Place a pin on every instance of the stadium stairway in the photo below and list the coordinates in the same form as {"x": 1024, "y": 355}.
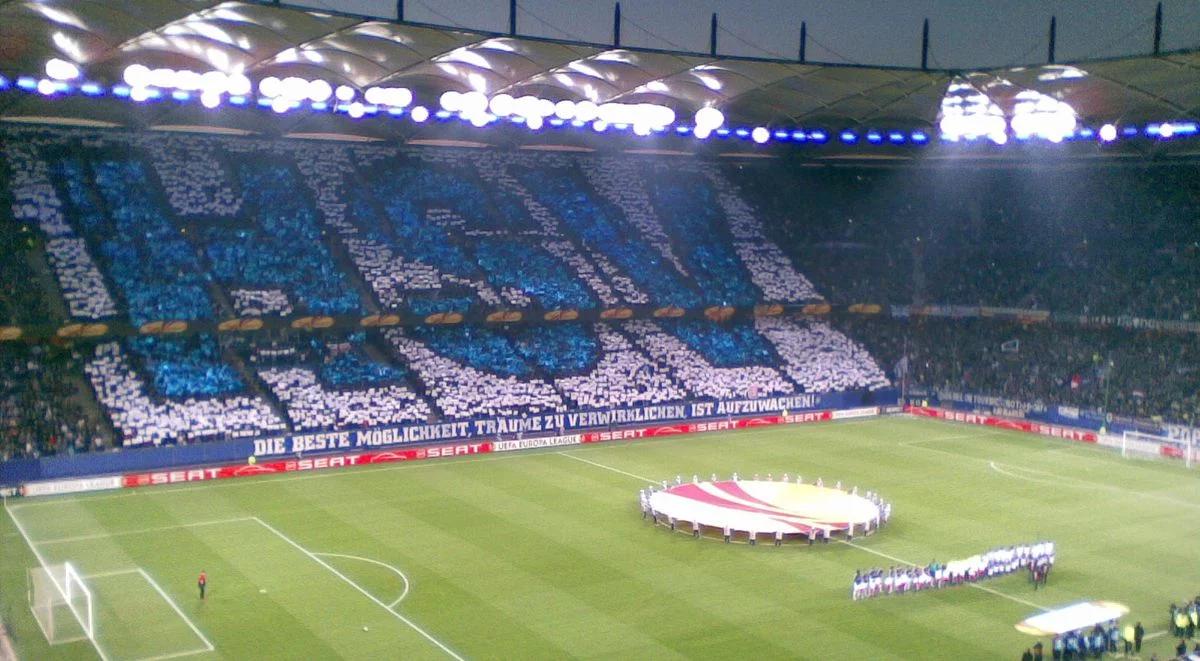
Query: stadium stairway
{"x": 255, "y": 386}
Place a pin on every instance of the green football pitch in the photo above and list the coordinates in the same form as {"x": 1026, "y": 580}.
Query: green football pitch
{"x": 545, "y": 554}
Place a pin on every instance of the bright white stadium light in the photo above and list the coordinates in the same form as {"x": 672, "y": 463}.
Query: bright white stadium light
{"x": 210, "y": 100}
{"x": 270, "y": 87}
{"x": 564, "y": 109}
{"x": 545, "y": 108}
{"x": 318, "y": 91}
{"x": 709, "y": 117}
{"x": 1166, "y": 130}
{"x": 419, "y": 114}
{"x": 281, "y": 104}
{"x": 482, "y": 119}
{"x": 1108, "y": 132}
{"x": 760, "y": 135}
{"x": 294, "y": 88}
{"x": 139, "y": 94}
{"x": 188, "y": 80}
{"x": 356, "y": 110}
{"x": 344, "y": 93}
{"x": 59, "y": 69}
{"x": 599, "y": 126}
{"x": 46, "y": 87}
{"x": 400, "y": 97}
{"x": 472, "y": 103}
{"x": 214, "y": 82}
{"x": 375, "y": 95}
{"x": 502, "y": 105}
{"x": 585, "y": 111}
{"x": 239, "y": 85}
{"x": 534, "y": 123}
{"x": 163, "y": 78}
{"x": 451, "y": 101}
{"x": 136, "y": 75}
{"x": 526, "y": 106}
{"x": 701, "y": 132}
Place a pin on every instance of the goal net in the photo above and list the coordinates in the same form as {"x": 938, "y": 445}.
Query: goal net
{"x": 1138, "y": 444}
{"x": 61, "y": 603}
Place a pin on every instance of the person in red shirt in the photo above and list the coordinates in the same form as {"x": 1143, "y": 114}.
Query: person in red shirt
{"x": 202, "y": 583}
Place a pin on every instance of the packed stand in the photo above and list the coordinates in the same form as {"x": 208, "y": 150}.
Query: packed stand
{"x": 142, "y": 415}
{"x": 1133, "y": 374}
{"x": 40, "y": 412}
{"x": 155, "y": 269}
{"x": 36, "y": 203}
{"x": 1108, "y": 239}
{"x": 336, "y": 384}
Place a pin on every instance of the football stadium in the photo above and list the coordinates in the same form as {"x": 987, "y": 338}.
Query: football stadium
{"x": 520, "y": 329}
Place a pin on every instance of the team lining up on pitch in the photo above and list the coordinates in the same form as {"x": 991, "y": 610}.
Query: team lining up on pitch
{"x": 1037, "y": 558}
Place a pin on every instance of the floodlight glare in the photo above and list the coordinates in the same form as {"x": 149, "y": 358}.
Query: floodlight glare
{"x": 1108, "y": 132}
{"x": 59, "y": 69}
{"x": 760, "y": 135}
{"x": 419, "y": 114}
{"x": 137, "y": 75}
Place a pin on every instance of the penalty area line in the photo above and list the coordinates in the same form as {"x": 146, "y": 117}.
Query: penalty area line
{"x": 412, "y": 625}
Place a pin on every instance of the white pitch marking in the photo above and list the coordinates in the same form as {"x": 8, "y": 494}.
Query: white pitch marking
{"x": 375, "y": 562}
{"x": 366, "y": 469}
{"x": 175, "y": 655}
{"x": 607, "y": 468}
{"x": 1065, "y": 481}
{"x": 42, "y": 561}
{"x": 191, "y": 625}
{"x": 106, "y": 574}
{"x": 412, "y": 625}
{"x": 973, "y": 585}
{"x": 139, "y": 531}
{"x": 862, "y": 548}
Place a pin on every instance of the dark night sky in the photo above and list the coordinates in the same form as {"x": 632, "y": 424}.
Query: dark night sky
{"x": 965, "y": 33}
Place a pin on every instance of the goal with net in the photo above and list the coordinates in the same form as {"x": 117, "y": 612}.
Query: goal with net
{"x": 1138, "y": 444}
{"x": 61, "y": 603}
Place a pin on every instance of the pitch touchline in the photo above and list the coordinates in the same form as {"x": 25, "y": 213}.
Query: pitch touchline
{"x": 368, "y": 469}
{"x": 412, "y": 625}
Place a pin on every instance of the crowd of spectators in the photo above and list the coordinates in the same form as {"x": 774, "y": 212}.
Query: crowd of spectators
{"x": 38, "y": 416}
{"x": 1105, "y": 238}
{"x": 1135, "y": 374}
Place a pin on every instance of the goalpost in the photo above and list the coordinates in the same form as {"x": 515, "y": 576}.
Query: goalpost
{"x": 61, "y": 603}
{"x": 1147, "y": 446}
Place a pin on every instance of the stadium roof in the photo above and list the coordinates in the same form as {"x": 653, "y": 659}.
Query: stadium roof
{"x": 104, "y": 37}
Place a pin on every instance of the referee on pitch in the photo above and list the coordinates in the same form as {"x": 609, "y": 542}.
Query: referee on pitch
{"x": 202, "y": 583}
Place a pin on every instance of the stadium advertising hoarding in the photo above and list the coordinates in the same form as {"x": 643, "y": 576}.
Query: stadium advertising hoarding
{"x": 168, "y": 458}
{"x": 301, "y": 464}
{"x": 61, "y": 487}
{"x": 204, "y": 474}
{"x": 988, "y": 420}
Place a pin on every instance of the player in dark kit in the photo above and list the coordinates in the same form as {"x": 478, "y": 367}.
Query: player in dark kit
{"x": 202, "y": 583}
